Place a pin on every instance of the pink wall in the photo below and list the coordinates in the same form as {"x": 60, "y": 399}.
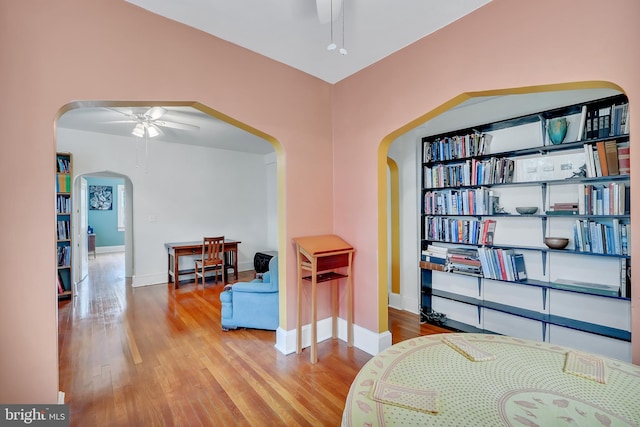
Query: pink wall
{"x": 505, "y": 44}
{"x": 57, "y": 52}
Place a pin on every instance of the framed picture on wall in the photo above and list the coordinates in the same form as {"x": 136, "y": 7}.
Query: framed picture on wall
{"x": 100, "y": 197}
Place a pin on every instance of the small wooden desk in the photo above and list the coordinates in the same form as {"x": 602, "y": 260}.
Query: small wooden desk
{"x": 177, "y": 249}
{"x": 321, "y": 256}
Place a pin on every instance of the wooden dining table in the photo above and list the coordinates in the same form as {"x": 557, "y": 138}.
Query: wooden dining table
{"x": 177, "y": 249}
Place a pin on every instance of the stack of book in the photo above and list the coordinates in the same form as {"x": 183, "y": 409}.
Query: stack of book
{"x": 563, "y": 208}
{"x": 463, "y": 261}
{"x": 502, "y": 264}
{"x": 434, "y": 258}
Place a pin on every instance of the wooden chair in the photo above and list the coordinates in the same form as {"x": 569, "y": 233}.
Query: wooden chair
{"x": 212, "y": 259}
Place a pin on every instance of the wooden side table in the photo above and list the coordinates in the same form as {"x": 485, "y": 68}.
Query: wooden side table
{"x": 321, "y": 256}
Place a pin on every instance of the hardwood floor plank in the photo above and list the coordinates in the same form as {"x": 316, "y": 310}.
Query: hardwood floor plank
{"x": 156, "y": 356}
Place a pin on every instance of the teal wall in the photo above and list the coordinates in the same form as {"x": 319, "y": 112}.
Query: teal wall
{"x": 105, "y": 222}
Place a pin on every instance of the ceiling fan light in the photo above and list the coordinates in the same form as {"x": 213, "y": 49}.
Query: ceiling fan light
{"x": 332, "y": 46}
{"x": 343, "y": 51}
{"x": 152, "y": 131}
{"x": 138, "y": 130}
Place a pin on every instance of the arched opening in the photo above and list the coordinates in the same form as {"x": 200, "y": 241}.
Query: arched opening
{"x": 165, "y": 174}
{"x": 464, "y": 110}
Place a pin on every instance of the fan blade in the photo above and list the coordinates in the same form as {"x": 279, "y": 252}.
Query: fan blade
{"x": 121, "y": 121}
{"x": 176, "y": 125}
{"x": 133, "y": 116}
{"x": 154, "y": 113}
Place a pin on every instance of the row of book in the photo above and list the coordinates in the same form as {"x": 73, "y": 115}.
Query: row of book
{"x": 607, "y": 158}
{"x": 63, "y": 204}
{"x": 606, "y": 199}
{"x": 502, "y": 264}
{"x": 469, "y": 231}
{"x": 64, "y": 256}
{"x": 613, "y": 238}
{"x": 471, "y": 172}
{"x": 456, "y": 147}
{"x": 63, "y": 183}
{"x": 63, "y": 165}
{"x": 605, "y": 121}
{"x": 477, "y": 201}
{"x": 64, "y": 230}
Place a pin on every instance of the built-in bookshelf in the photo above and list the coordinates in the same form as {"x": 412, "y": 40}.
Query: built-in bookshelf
{"x": 64, "y": 234}
{"x": 485, "y": 266}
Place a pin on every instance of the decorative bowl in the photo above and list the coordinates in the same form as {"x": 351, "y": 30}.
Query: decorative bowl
{"x": 556, "y": 242}
{"x": 526, "y": 210}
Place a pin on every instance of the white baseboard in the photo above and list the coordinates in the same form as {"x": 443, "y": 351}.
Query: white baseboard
{"x": 395, "y": 301}
{"x": 109, "y": 249}
{"x": 138, "y": 280}
{"x": 364, "y": 339}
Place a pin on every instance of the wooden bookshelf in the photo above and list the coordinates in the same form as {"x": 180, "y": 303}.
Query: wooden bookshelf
{"x": 64, "y": 230}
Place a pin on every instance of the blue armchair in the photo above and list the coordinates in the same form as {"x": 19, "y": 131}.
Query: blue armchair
{"x": 252, "y": 304}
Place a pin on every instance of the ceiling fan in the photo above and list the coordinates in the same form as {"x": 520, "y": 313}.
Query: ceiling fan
{"x": 148, "y": 122}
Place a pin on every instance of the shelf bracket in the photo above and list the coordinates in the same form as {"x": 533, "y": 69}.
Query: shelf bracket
{"x": 544, "y": 298}
{"x": 543, "y": 254}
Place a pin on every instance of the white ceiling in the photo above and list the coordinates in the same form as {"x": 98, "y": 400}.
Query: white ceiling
{"x": 290, "y": 32}
{"x": 211, "y": 133}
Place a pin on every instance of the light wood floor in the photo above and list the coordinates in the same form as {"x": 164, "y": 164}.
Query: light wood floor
{"x": 154, "y": 356}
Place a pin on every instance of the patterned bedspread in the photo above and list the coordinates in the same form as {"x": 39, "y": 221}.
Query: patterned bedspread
{"x": 430, "y": 381}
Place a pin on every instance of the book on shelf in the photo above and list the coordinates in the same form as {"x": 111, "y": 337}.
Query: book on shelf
{"x": 564, "y": 208}
{"x": 620, "y": 119}
{"x": 594, "y": 288}
{"x": 625, "y": 278}
{"x": 435, "y": 255}
{"x": 624, "y": 160}
{"x": 583, "y": 120}
{"x": 602, "y": 158}
{"x": 59, "y": 283}
{"x": 488, "y": 231}
{"x": 426, "y": 265}
{"x": 519, "y": 267}
{"x": 611, "y": 155}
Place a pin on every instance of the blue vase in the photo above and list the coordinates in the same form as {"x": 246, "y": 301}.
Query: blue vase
{"x": 557, "y": 130}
